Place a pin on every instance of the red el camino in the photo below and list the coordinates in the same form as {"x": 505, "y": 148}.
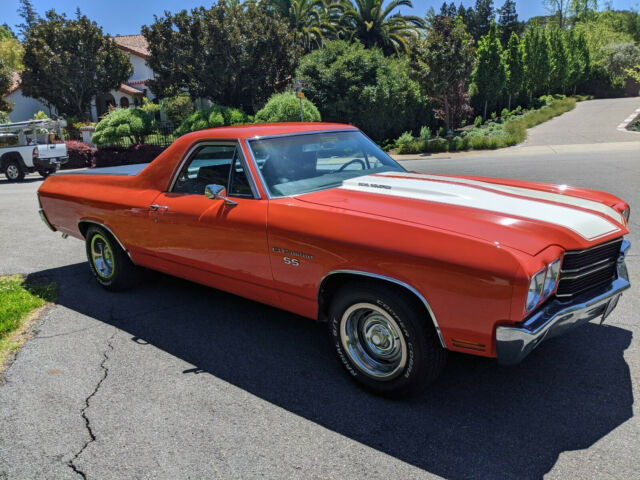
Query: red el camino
{"x": 317, "y": 220}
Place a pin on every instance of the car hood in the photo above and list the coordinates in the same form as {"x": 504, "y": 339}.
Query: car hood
{"x": 522, "y": 215}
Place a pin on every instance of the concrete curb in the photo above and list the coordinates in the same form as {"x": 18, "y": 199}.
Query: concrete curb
{"x": 524, "y": 151}
{"x": 623, "y": 126}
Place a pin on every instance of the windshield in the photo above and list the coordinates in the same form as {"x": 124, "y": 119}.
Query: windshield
{"x": 295, "y": 164}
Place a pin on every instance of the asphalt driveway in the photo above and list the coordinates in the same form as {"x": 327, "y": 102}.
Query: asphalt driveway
{"x": 595, "y": 121}
{"x": 174, "y": 380}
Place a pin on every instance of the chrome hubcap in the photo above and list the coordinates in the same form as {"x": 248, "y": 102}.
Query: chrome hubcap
{"x": 13, "y": 172}
{"x": 102, "y": 256}
{"x": 373, "y": 340}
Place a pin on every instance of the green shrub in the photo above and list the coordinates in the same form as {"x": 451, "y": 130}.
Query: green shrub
{"x": 150, "y": 107}
{"x": 442, "y": 132}
{"x": 494, "y": 115}
{"x": 123, "y": 123}
{"x": 421, "y": 146}
{"x": 494, "y": 135}
{"x": 212, "y": 117}
{"x": 4, "y": 117}
{"x": 460, "y": 143}
{"x": 425, "y": 133}
{"x": 357, "y": 85}
{"x": 505, "y": 114}
{"x": 285, "y": 107}
{"x": 178, "y": 107}
{"x": 478, "y": 121}
{"x": 406, "y": 138}
{"x": 40, "y": 115}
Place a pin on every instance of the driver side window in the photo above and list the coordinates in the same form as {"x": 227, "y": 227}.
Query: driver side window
{"x": 214, "y": 165}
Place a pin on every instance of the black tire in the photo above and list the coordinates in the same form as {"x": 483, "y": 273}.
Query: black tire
{"x": 13, "y": 171}
{"x": 45, "y": 173}
{"x": 116, "y": 271}
{"x": 368, "y": 307}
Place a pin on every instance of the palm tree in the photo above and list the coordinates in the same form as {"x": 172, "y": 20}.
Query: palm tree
{"x": 313, "y": 20}
{"x": 374, "y": 24}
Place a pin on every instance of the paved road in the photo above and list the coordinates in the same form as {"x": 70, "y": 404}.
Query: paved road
{"x": 595, "y": 121}
{"x": 174, "y": 380}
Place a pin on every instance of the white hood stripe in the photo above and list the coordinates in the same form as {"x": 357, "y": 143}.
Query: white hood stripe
{"x": 523, "y": 192}
{"x": 588, "y": 225}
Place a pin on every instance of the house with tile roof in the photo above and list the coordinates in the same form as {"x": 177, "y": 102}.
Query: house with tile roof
{"x": 129, "y": 94}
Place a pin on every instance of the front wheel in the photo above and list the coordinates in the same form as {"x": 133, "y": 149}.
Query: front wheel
{"x": 13, "y": 171}
{"x": 109, "y": 263}
{"x": 384, "y": 339}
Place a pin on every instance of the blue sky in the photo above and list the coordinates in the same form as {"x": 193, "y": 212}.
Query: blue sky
{"x": 127, "y": 16}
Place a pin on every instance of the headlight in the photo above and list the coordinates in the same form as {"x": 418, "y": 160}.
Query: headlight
{"x": 625, "y": 213}
{"x": 553, "y": 270}
{"x": 535, "y": 289}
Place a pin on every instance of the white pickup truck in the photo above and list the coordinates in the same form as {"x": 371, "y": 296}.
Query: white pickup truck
{"x": 32, "y": 146}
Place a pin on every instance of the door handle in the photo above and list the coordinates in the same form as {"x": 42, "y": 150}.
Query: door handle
{"x": 159, "y": 207}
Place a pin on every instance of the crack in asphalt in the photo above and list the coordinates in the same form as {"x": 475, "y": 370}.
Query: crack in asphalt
{"x": 87, "y": 423}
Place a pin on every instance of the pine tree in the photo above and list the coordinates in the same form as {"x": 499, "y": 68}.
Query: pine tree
{"x": 483, "y": 16}
{"x": 467, "y": 16}
{"x": 514, "y": 67}
{"x": 558, "y": 61}
{"x": 28, "y": 13}
{"x": 508, "y": 21}
{"x": 449, "y": 10}
{"x": 536, "y": 60}
{"x": 489, "y": 76}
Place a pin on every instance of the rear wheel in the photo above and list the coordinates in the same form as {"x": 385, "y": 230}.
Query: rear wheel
{"x": 109, "y": 263}
{"x": 384, "y": 340}
{"x": 45, "y": 173}
{"x": 13, "y": 171}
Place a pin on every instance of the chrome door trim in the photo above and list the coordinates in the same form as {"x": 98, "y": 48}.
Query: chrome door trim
{"x": 397, "y": 282}
{"x": 295, "y": 134}
{"x": 214, "y": 141}
{"x": 112, "y": 234}
{"x": 257, "y": 168}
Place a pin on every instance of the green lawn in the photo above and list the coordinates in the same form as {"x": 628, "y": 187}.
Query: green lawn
{"x": 17, "y": 300}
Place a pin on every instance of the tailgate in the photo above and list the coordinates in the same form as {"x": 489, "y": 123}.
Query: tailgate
{"x": 52, "y": 150}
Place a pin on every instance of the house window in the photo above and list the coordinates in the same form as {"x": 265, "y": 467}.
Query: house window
{"x": 124, "y": 102}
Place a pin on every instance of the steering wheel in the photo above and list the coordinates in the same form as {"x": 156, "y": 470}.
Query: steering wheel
{"x": 355, "y": 160}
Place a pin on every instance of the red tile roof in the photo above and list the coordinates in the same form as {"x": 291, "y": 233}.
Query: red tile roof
{"x": 134, "y": 44}
{"x": 129, "y": 90}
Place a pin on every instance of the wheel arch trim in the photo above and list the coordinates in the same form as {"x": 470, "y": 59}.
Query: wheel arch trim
{"x": 94, "y": 222}
{"x": 395, "y": 281}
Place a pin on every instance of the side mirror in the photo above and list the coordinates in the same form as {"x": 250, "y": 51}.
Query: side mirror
{"x": 218, "y": 192}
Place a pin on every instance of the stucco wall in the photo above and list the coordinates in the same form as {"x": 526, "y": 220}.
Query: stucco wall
{"x": 24, "y": 108}
{"x": 141, "y": 70}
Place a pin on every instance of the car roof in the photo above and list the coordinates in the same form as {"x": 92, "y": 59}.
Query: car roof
{"x": 268, "y": 129}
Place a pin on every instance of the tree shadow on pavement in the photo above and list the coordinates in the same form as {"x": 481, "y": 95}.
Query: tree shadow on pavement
{"x": 478, "y": 420}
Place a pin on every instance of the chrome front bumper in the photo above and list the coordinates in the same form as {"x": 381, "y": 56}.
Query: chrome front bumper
{"x": 556, "y": 317}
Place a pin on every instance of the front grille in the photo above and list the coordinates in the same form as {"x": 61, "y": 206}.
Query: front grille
{"x": 590, "y": 268}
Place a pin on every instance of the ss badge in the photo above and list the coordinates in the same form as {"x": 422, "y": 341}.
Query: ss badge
{"x": 294, "y": 262}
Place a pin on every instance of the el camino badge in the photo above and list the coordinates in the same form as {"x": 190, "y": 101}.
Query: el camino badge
{"x": 292, "y": 253}
{"x": 294, "y": 262}
{"x": 374, "y": 185}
